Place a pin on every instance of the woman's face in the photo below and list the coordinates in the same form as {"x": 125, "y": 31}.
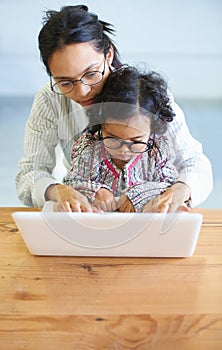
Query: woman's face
{"x": 137, "y": 128}
{"x": 75, "y": 60}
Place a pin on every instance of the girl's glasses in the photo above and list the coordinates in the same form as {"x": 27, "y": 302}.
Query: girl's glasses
{"x": 134, "y": 146}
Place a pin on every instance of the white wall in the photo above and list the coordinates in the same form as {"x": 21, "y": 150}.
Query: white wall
{"x": 181, "y": 39}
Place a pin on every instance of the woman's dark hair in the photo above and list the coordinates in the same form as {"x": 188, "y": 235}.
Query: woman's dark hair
{"x": 74, "y": 24}
{"x": 128, "y": 92}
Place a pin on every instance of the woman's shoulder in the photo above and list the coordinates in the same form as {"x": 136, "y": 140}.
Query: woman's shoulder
{"x": 48, "y": 103}
{"x": 48, "y": 96}
{"x": 45, "y": 91}
{"x": 179, "y": 114}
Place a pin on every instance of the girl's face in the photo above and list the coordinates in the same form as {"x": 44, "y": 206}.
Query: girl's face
{"x": 137, "y": 128}
{"x": 75, "y": 60}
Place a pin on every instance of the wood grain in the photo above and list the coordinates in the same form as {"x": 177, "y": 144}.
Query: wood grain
{"x": 213, "y": 216}
{"x": 111, "y": 303}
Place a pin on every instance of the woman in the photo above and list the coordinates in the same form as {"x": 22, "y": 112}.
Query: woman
{"x": 79, "y": 56}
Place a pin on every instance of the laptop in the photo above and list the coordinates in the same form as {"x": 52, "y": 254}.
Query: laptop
{"x": 109, "y": 234}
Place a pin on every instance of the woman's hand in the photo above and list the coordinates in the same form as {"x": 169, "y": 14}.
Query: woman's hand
{"x": 125, "y": 205}
{"x": 105, "y": 200}
{"x": 171, "y": 201}
{"x": 67, "y": 199}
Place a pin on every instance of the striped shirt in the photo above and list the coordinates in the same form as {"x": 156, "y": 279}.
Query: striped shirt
{"x": 57, "y": 120}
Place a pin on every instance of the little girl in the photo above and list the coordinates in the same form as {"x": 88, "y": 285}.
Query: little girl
{"x": 125, "y": 152}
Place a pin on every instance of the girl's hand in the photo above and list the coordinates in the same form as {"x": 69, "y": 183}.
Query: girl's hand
{"x": 104, "y": 200}
{"x": 125, "y": 205}
{"x": 67, "y": 199}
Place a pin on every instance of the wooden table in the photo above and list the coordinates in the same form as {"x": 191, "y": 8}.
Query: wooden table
{"x": 52, "y": 303}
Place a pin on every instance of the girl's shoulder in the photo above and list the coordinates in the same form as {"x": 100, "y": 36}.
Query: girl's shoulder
{"x": 162, "y": 147}
{"x": 85, "y": 143}
{"x": 86, "y": 139}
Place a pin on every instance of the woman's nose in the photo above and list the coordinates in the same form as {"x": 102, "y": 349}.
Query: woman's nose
{"x": 82, "y": 90}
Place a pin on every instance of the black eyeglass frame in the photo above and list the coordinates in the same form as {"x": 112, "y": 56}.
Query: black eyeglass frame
{"x": 76, "y": 80}
{"x": 149, "y": 144}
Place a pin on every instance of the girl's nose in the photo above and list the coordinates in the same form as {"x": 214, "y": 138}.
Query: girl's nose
{"x": 124, "y": 148}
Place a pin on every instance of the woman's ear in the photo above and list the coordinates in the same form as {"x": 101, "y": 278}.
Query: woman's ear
{"x": 109, "y": 56}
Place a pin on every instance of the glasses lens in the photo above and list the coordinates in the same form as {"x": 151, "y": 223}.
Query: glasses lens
{"x": 92, "y": 78}
{"x": 63, "y": 87}
{"x": 138, "y": 147}
{"x": 111, "y": 143}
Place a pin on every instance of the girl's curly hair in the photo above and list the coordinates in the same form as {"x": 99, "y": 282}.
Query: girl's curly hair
{"x": 128, "y": 92}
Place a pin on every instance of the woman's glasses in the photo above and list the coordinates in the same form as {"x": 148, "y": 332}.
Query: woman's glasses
{"x": 64, "y": 86}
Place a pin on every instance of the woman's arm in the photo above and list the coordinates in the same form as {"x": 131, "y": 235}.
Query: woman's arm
{"x": 38, "y": 161}
{"x": 192, "y": 165}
